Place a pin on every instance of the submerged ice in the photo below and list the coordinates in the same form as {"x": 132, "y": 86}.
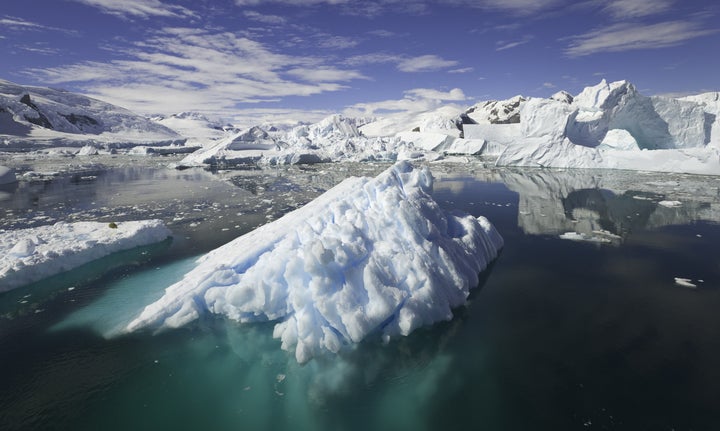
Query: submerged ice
{"x": 370, "y": 256}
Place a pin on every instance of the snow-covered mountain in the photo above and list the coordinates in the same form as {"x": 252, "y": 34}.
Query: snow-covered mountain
{"x": 32, "y": 116}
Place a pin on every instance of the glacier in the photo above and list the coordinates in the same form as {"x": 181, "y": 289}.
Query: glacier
{"x": 36, "y": 253}
{"x": 371, "y": 256}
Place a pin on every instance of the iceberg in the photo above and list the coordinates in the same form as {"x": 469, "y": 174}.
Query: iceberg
{"x": 613, "y": 126}
{"x": 370, "y": 256}
{"x": 36, "y": 253}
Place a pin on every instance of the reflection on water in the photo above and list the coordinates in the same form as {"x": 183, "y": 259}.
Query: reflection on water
{"x": 553, "y": 202}
{"x": 561, "y": 335}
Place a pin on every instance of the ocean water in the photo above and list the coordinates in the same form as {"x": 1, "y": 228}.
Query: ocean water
{"x": 590, "y": 332}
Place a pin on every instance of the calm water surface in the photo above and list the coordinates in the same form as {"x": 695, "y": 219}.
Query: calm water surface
{"x": 561, "y": 334}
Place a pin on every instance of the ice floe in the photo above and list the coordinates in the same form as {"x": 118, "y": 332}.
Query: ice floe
{"x": 36, "y": 253}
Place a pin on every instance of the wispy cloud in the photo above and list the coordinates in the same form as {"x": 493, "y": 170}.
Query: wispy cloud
{"x": 370, "y": 8}
{"x": 422, "y": 63}
{"x": 325, "y": 75}
{"x": 183, "y": 69}
{"x": 290, "y": 2}
{"x": 19, "y": 24}
{"x": 516, "y": 7}
{"x": 413, "y": 101}
{"x": 265, "y": 19}
{"x": 381, "y": 33}
{"x": 337, "y": 42}
{"x": 632, "y": 36}
{"x": 462, "y": 70}
{"x": 425, "y": 63}
{"x": 502, "y": 45}
{"x": 138, "y": 8}
{"x": 371, "y": 58}
{"x": 625, "y": 9}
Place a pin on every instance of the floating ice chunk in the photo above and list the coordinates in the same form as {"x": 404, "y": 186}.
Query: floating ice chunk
{"x": 32, "y": 254}
{"x": 372, "y": 255}
{"x": 685, "y": 282}
{"x": 670, "y": 204}
{"x": 576, "y": 236}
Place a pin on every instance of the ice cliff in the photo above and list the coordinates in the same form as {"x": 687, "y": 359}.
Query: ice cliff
{"x": 370, "y": 256}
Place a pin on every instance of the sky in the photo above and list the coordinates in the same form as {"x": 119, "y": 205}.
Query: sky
{"x": 250, "y": 61}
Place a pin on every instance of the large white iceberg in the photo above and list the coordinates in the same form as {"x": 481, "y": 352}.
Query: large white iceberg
{"x": 36, "y": 253}
{"x": 370, "y": 256}
{"x": 611, "y": 125}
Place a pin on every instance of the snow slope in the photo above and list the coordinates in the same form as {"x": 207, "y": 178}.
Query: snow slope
{"x": 370, "y": 256}
{"x": 37, "y": 116}
{"x": 33, "y": 254}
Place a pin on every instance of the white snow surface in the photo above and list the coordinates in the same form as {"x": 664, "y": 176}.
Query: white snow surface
{"x": 370, "y": 256}
{"x": 36, "y": 253}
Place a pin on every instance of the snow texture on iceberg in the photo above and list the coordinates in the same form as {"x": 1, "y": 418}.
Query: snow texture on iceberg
{"x": 36, "y": 253}
{"x": 370, "y": 256}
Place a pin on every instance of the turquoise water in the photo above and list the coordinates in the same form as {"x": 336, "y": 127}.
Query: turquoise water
{"x": 559, "y": 335}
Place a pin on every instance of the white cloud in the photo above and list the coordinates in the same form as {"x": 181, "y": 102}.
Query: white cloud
{"x": 516, "y": 7}
{"x": 424, "y": 63}
{"x": 548, "y": 85}
{"x": 373, "y": 58}
{"x": 290, "y": 2}
{"x": 182, "y": 69}
{"x": 371, "y": 8}
{"x": 265, "y": 19}
{"x": 455, "y": 94}
{"x": 503, "y": 45}
{"x": 19, "y": 24}
{"x": 337, "y": 42}
{"x": 631, "y": 36}
{"x": 462, "y": 70}
{"x": 625, "y": 9}
{"x": 328, "y": 74}
{"x": 381, "y": 33}
{"x": 138, "y": 8}
{"x": 413, "y": 101}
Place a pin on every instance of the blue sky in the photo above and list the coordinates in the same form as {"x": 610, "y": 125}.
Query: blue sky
{"x": 250, "y": 60}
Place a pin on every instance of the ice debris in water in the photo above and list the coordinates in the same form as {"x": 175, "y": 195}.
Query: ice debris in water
{"x": 370, "y": 256}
